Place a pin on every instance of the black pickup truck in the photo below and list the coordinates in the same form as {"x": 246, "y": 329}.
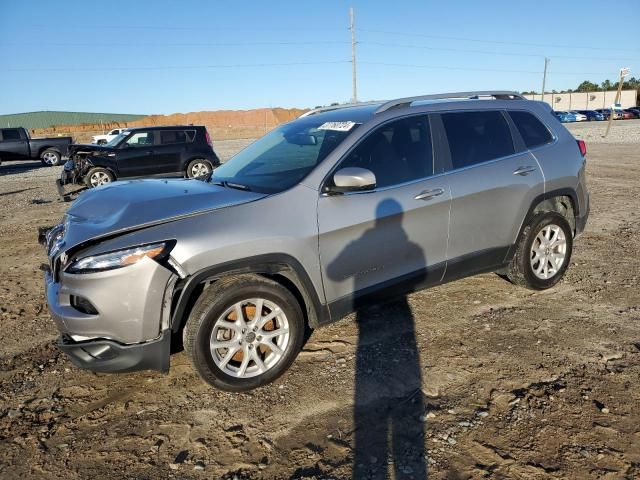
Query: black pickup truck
{"x": 16, "y": 144}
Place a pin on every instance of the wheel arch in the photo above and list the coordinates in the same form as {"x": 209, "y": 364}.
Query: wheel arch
{"x": 563, "y": 201}
{"x": 282, "y": 268}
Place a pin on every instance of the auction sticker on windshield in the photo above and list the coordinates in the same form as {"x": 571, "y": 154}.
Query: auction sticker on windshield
{"x": 337, "y": 126}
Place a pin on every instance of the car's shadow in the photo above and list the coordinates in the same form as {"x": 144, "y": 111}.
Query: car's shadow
{"x": 10, "y": 167}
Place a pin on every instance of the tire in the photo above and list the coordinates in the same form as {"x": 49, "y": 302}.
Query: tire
{"x": 101, "y": 142}
{"x": 200, "y": 167}
{"x": 215, "y": 313}
{"x": 98, "y": 176}
{"x": 539, "y": 271}
{"x": 50, "y": 158}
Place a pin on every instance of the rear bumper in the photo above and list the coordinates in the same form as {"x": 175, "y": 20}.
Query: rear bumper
{"x": 107, "y": 356}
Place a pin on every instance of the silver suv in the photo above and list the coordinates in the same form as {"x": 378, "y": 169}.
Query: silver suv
{"x": 342, "y": 206}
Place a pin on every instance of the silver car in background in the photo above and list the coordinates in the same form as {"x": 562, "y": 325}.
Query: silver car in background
{"x": 336, "y": 209}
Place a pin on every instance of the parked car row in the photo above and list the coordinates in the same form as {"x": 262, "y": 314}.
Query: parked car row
{"x": 133, "y": 153}
{"x": 597, "y": 115}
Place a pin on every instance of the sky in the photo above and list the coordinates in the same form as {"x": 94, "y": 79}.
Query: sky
{"x": 166, "y": 56}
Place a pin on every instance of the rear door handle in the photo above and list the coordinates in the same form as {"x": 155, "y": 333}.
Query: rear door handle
{"x": 522, "y": 171}
{"x": 429, "y": 194}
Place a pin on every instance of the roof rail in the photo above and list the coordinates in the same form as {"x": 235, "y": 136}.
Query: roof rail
{"x": 337, "y": 107}
{"x": 404, "y": 102}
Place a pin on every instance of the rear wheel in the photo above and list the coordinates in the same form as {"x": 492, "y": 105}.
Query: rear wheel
{"x": 198, "y": 168}
{"x": 50, "y": 158}
{"x": 243, "y": 332}
{"x": 98, "y": 176}
{"x": 543, "y": 252}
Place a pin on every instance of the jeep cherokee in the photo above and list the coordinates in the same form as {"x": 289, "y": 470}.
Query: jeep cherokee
{"x": 341, "y": 206}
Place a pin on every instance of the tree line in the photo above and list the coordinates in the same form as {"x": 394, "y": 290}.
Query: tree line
{"x": 632, "y": 83}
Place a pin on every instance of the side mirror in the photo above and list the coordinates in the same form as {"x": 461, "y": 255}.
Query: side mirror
{"x": 353, "y": 179}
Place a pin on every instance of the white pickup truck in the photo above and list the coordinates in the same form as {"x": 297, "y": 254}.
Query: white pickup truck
{"x": 102, "y": 139}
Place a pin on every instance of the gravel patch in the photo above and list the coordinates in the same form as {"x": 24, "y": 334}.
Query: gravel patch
{"x": 622, "y": 131}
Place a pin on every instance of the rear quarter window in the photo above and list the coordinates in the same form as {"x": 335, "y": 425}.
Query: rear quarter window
{"x": 476, "y": 137}
{"x": 533, "y": 131}
{"x": 191, "y": 135}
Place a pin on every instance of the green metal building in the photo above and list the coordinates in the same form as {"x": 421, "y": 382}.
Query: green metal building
{"x": 46, "y": 119}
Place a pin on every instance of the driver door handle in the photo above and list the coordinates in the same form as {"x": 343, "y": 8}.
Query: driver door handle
{"x": 522, "y": 171}
{"x": 429, "y": 194}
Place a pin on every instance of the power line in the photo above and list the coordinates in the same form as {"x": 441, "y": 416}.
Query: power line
{"x": 445, "y": 67}
{"x": 155, "y": 44}
{"x": 210, "y": 27}
{"x": 487, "y": 52}
{"x": 167, "y": 67}
{"x": 497, "y": 42}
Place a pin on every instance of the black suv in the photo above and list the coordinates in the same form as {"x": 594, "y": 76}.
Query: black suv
{"x": 142, "y": 152}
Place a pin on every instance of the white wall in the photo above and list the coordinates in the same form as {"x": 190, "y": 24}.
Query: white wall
{"x": 586, "y": 100}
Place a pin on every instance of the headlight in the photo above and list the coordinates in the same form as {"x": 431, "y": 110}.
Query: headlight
{"x": 120, "y": 258}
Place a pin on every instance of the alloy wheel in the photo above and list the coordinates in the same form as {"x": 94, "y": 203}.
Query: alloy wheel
{"x": 548, "y": 252}
{"x": 199, "y": 169}
{"x": 50, "y": 158}
{"x": 249, "y": 338}
{"x": 99, "y": 178}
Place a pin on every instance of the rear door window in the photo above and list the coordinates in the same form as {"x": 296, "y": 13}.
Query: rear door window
{"x": 532, "y": 130}
{"x": 169, "y": 137}
{"x": 476, "y": 137}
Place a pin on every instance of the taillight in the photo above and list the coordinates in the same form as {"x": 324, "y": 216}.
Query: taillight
{"x": 208, "y": 138}
{"x": 582, "y": 146}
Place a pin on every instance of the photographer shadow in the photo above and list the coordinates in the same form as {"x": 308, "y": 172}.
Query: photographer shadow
{"x": 388, "y": 402}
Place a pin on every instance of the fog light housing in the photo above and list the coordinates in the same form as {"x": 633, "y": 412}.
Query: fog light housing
{"x": 83, "y": 305}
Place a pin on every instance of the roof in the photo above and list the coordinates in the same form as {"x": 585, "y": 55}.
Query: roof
{"x": 46, "y": 119}
{"x": 383, "y": 106}
{"x": 163, "y": 127}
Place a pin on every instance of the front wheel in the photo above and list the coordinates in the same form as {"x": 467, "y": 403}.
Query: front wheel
{"x": 543, "y": 252}
{"x": 243, "y": 332}
{"x": 98, "y": 176}
{"x": 199, "y": 168}
{"x": 50, "y": 158}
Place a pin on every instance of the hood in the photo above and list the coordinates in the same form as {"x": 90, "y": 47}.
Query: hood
{"x": 131, "y": 205}
{"x": 90, "y": 148}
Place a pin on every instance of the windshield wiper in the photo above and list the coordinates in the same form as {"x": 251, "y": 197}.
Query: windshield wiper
{"x": 227, "y": 184}
{"x": 237, "y": 186}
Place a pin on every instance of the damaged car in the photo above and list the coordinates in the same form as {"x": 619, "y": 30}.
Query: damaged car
{"x": 166, "y": 151}
{"x": 337, "y": 209}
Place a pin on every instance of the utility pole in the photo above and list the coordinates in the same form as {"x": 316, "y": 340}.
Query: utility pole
{"x": 354, "y": 86}
{"x": 544, "y": 78}
{"x": 623, "y": 73}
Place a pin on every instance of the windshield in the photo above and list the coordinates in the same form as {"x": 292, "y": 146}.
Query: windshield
{"x": 115, "y": 140}
{"x": 283, "y": 157}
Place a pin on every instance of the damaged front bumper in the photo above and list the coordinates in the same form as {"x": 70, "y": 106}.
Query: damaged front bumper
{"x": 108, "y": 356}
{"x": 70, "y": 175}
{"x": 109, "y": 323}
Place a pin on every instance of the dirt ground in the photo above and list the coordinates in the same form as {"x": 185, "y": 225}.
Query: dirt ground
{"x": 509, "y": 383}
